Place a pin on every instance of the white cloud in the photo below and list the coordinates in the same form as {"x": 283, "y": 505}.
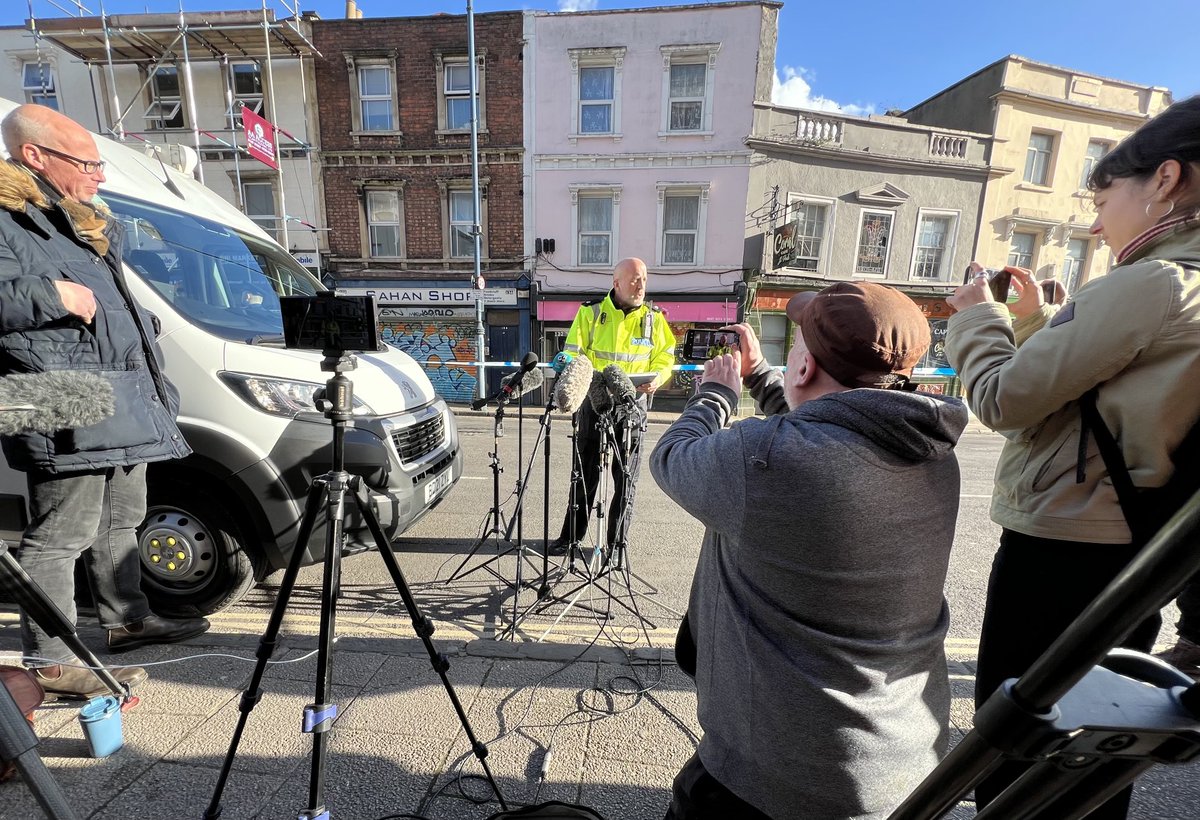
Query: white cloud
{"x": 795, "y": 91}
{"x": 578, "y": 5}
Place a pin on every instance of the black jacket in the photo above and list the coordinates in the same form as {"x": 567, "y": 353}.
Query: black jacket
{"x": 38, "y": 245}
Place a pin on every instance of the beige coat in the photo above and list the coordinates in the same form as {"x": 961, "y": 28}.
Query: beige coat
{"x": 1136, "y": 332}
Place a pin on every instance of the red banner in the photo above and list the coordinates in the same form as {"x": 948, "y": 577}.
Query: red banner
{"x": 260, "y": 138}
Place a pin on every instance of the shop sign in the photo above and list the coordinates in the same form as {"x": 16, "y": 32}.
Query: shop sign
{"x": 783, "y": 240}
{"x": 437, "y": 297}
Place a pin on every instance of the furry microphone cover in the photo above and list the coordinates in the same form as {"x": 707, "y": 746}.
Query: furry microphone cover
{"x": 57, "y": 400}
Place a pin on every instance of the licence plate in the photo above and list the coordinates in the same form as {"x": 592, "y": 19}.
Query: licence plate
{"x": 436, "y": 485}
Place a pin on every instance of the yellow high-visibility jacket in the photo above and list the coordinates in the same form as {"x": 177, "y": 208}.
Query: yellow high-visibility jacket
{"x": 639, "y": 341}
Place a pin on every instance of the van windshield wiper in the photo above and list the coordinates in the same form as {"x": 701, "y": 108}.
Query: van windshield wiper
{"x": 271, "y": 340}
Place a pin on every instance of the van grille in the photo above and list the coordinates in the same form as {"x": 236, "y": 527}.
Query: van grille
{"x": 415, "y": 442}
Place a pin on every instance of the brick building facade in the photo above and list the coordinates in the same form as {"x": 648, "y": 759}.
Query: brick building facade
{"x": 396, "y": 175}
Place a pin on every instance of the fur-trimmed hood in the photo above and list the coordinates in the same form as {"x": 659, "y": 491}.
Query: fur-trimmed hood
{"x": 18, "y": 188}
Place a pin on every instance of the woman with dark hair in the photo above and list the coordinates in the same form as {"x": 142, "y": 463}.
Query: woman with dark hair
{"x": 1134, "y": 337}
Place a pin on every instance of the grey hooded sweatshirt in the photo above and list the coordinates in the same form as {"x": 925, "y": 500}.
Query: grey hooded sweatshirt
{"x": 817, "y": 604}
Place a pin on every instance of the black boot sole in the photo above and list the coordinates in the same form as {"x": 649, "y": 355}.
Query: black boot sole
{"x": 136, "y": 643}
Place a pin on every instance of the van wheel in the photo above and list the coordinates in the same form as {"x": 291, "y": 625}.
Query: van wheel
{"x": 193, "y": 559}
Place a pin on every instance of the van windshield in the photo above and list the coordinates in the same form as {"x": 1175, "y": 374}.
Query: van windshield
{"x": 228, "y": 283}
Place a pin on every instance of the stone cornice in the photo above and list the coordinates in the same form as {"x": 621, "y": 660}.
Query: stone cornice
{"x": 417, "y": 159}
{"x": 863, "y": 158}
{"x": 1007, "y": 94}
{"x": 587, "y": 162}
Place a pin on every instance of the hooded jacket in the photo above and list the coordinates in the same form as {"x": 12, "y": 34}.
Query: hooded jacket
{"x": 817, "y": 605}
{"x": 1135, "y": 333}
{"x": 43, "y": 239}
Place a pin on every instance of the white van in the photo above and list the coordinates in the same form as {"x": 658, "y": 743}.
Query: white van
{"x": 228, "y": 514}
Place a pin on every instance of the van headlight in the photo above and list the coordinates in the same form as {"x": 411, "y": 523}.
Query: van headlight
{"x": 282, "y": 397}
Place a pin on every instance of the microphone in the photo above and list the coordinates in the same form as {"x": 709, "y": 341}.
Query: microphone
{"x": 53, "y": 401}
{"x": 559, "y": 363}
{"x": 598, "y": 394}
{"x": 507, "y": 389}
{"x": 619, "y": 385}
{"x": 523, "y": 383}
{"x": 571, "y": 387}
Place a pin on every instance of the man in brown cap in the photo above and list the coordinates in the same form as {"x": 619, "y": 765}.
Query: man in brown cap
{"x": 816, "y": 616}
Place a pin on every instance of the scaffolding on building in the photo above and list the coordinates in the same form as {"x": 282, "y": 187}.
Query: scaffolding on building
{"x": 156, "y": 41}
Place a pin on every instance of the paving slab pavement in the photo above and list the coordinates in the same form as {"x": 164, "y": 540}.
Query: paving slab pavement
{"x": 619, "y": 722}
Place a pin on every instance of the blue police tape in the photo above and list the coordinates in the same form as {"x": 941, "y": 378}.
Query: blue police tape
{"x": 917, "y": 371}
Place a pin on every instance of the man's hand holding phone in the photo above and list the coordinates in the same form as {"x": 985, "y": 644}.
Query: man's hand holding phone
{"x": 748, "y": 346}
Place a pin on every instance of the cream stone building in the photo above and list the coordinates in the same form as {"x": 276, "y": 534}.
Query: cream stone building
{"x": 1049, "y": 125}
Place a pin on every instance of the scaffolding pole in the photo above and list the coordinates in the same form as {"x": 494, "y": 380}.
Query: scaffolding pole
{"x": 283, "y": 224}
{"x": 191, "y": 95}
{"x": 237, "y": 164}
{"x": 119, "y": 125}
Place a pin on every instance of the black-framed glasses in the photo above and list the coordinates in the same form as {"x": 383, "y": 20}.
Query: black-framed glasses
{"x": 87, "y": 166}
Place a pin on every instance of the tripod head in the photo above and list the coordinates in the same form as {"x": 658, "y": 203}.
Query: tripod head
{"x": 336, "y": 399}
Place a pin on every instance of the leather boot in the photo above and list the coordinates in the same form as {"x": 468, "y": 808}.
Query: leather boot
{"x": 74, "y": 683}
{"x": 154, "y": 629}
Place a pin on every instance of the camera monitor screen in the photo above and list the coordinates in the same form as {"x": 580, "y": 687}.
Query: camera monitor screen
{"x": 329, "y": 322}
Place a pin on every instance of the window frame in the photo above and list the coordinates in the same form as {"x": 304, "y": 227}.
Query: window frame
{"x": 159, "y": 101}
{"x": 945, "y": 265}
{"x": 1090, "y": 162}
{"x": 1083, "y": 264}
{"x": 887, "y": 250}
{"x": 702, "y": 53}
{"x": 35, "y": 92}
{"x": 441, "y": 75}
{"x": 1033, "y": 246}
{"x": 596, "y": 191}
{"x": 273, "y": 230}
{"x": 581, "y": 58}
{"x": 261, "y": 107}
{"x": 365, "y": 204}
{"x": 354, "y": 64}
{"x": 830, "y": 205}
{"x": 1031, "y": 155}
{"x": 446, "y": 188}
{"x": 698, "y": 190}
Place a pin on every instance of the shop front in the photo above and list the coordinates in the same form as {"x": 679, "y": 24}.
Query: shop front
{"x": 436, "y": 326}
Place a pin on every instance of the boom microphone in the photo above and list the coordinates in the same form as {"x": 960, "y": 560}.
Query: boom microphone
{"x": 509, "y": 388}
{"x": 53, "y": 401}
{"x": 571, "y": 387}
{"x": 619, "y": 385}
{"x": 522, "y": 383}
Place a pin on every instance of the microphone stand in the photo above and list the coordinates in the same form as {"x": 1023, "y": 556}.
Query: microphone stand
{"x": 495, "y": 515}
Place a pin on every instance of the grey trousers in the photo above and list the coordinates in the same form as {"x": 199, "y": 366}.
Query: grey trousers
{"x": 95, "y": 514}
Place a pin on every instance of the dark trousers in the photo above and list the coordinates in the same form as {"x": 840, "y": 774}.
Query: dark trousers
{"x": 696, "y": 795}
{"x": 1037, "y": 588}
{"x": 628, "y": 430}
{"x": 96, "y": 514}
{"x": 1188, "y": 602}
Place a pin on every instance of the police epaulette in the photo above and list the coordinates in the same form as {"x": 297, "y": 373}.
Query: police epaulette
{"x": 591, "y": 302}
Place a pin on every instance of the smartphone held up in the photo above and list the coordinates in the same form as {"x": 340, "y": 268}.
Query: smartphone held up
{"x": 702, "y": 345}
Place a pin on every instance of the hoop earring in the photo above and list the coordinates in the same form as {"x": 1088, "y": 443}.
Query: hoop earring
{"x": 1170, "y": 210}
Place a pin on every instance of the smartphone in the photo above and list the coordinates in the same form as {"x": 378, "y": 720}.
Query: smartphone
{"x": 999, "y": 280}
{"x": 702, "y": 345}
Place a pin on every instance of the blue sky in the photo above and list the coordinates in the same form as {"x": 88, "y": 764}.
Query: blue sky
{"x": 867, "y": 56}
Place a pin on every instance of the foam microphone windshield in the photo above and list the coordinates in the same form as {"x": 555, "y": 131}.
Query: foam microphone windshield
{"x": 523, "y": 383}
{"x": 598, "y": 395}
{"x": 618, "y": 383}
{"x": 49, "y": 402}
{"x": 571, "y": 387}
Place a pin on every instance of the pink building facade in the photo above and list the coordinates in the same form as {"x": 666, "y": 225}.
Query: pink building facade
{"x": 636, "y": 127}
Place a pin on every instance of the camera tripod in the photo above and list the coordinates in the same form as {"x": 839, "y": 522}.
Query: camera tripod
{"x": 330, "y": 490}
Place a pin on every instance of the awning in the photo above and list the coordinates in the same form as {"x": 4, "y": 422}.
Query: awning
{"x": 724, "y": 312}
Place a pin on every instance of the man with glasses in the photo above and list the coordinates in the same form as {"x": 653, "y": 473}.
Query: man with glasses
{"x": 65, "y": 305}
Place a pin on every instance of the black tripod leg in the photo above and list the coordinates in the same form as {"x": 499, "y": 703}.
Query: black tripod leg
{"x": 266, "y": 646}
{"x": 25, "y": 592}
{"x": 423, "y": 627}
{"x": 18, "y": 745}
